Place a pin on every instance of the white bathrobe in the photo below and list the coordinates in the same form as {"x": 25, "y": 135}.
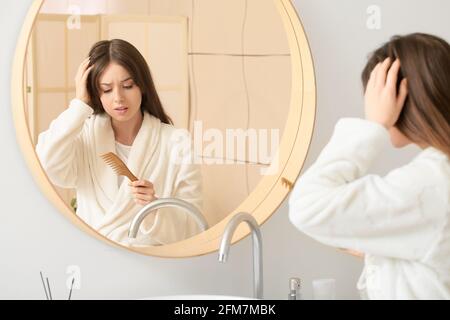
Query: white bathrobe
{"x": 70, "y": 152}
{"x": 400, "y": 221}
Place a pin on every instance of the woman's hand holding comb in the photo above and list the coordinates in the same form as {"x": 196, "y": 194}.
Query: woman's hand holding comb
{"x": 143, "y": 191}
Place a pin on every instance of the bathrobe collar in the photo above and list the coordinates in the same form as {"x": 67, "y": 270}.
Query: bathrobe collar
{"x": 142, "y": 150}
{"x": 431, "y": 152}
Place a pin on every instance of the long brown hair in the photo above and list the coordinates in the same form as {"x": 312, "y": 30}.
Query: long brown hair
{"x": 425, "y": 62}
{"x": 125, "y": 54}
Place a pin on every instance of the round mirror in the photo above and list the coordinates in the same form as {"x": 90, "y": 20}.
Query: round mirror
{"x": 231, "y": 89}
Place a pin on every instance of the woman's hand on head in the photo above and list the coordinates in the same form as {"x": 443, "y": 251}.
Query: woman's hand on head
{"x": 143, "y": 191}
{"x": 81, "y": 81}
{"x": 382, "y": 102}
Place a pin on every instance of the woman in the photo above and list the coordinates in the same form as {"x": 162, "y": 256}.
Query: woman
{"x": 400, "y": 222}
{"x": 117, "y": 109}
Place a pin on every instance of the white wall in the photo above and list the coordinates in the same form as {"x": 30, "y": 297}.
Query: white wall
{"x": 35, "y": 237}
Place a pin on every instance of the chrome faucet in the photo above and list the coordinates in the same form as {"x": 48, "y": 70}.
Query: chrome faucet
{"x": 166, "y": 202}
{"x": 257, "y": 248}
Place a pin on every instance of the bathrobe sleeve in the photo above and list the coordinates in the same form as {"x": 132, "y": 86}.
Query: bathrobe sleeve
{"x": 185, "y": 180}
{"x": 171, "y": 225}
{"x": 59, "y": 147}
{"x": 399, "y": 215}
{"x": 188, "y": 187}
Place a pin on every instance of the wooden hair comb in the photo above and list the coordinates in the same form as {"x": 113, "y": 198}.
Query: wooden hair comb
{"x": 118, "y": 166}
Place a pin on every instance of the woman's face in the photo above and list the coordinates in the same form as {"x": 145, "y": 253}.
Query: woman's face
{"x": 120, "y": 96}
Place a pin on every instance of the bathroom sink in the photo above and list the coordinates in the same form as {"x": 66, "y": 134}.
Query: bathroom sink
{"x": 198, "y": 297}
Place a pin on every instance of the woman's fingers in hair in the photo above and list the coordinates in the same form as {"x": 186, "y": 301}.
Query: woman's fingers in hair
{"x": 403, "y": 93}
{"x": 84, "y": 64}
{"x": 382, "y": 72}
{"x": 86, "y": 73}
{"x": 393, "y": 75}
{"x": 82, "y": 68}
{"x": 373, "y": 76}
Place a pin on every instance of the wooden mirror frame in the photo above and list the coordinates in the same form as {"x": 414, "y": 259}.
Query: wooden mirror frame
{"x": 270, "y": 191}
